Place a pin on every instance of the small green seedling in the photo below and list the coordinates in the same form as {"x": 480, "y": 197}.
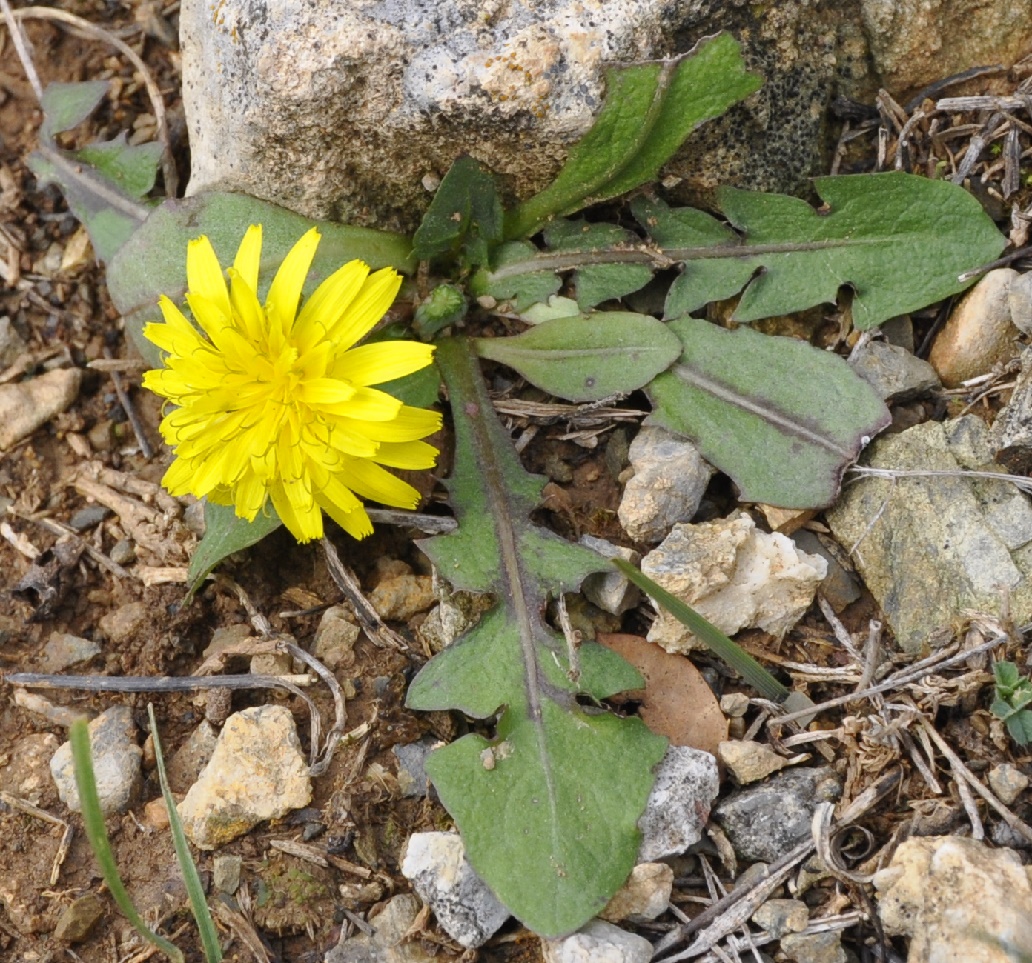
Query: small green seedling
{"x": 96, "y": 833}
{"x": 1013, "y": 694}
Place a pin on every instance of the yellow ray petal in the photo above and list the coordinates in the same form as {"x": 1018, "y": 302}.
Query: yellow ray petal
{"x": 371, "y": 304}
{"x": 376, "y": 484}
{"x": 290, "y": 279}
{"x": 373, "y": 364}
{"x": 249, "y": 256}
{"x": 366, "y": 404}
{"x": 324, "y": 391}
{"x": 409, "y": 455}
{"x": 204, "y": 274}
{"x": 410, "y": 424}
{"x": 246, "y": 306}
{"x": 328, "y": 302}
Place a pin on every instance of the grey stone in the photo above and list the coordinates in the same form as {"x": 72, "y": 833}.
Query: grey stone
{"x": 467, "y": 910}
{"x": 840, "y": 587}
{"x": 257, "y": 772}
{"x": 123, "y": 552}
{"x": 412, "y": 778}
{"x": 116, "y": 762}
{"x": 781, "y": 916}
{"x": 894, "y": 373}
{"x": 1008, "y": 782}
{"x": 1011, "y": 435}
{"x": 79, "y": 918}
{"x": 225, "y": 873}
{"x": 336, "y": 637}
{"x": 88, "y": 517}
{"x": 644, "y": 896}
{"x": 814, "y": 947}
{"x": 931, "y": 547}
{"x": 686, "y": 784}
{"x": 1019, "y": 300}
{"x": 670, "y": 478}
{"x": 188, "y": 761}
{"x": 765, "y": 821}
{"x": 598, "y": 942}
{"x": 734, "y": 575}
{"x": 610, "y": 591}
{"x": 956, "y": 899}
{"x": 979, "y": 332}
{"x": 26, "y": 405}
{"x": 389, "y": 942}
{"x": 63, "y": 650}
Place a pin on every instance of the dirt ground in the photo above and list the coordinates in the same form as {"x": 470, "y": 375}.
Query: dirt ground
{"x": 55, "y": 298}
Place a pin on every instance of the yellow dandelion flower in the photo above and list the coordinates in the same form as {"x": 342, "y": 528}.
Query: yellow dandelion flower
{"x": 276, "y": 402}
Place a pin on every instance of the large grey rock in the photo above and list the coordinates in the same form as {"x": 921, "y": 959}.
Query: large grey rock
{"x": 763, "y": 822}
{"x": 116, "y": 762}
{"x": 957, "y": 900}
{"x": 734, "y": 575}
{"x": 686, "y": 784}
{"x": 931, "y": 547}
{"x": 464, "y": 906}
{"x": 256, "y": 772}
{"x": 670, "y": 478}
{"x": 917, "y": 42}
{"x": 341, "y": 110}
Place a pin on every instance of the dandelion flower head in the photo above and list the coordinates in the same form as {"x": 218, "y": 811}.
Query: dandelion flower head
{"x": 273, "y": 402}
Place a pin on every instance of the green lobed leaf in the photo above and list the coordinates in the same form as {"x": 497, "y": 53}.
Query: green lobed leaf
{"x": 514, "y": 277}
{"x": 153, "y": 261}
{"x": 133, "y": 167}
{"x": 900, "y": 241}
{"x": 67, "y": 105}
{"x": 1019, "y": 726}
{"x": 687, "y": 229}
{"x": 465, "y": 214}
{"x": 588, "y": 357}
{"x": 110, "y": 214}
{"x": 548, "y": 809}
{"x": 224, "y": 534}
{"x": 782, "y": 418}
{"x": 648, "y": 112}
{"x": 596, "y": 283}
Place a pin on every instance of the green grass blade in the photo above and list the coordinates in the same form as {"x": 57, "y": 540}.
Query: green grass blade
{"x": 732, "y": 653}
{"x": 194, "y": 888}
{"x": 93, "y": 821}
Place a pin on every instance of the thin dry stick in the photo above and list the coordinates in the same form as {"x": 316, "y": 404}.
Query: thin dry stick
{"x": 130, "y": 411}
{"x": 1018, "y": 825}
{"x": 971, "y": 808}
{"x": 374, "y": 626}
{"x": 914, "y": 674}
{"x": 168, "y": 166}
{"x": 21, "y": 46}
